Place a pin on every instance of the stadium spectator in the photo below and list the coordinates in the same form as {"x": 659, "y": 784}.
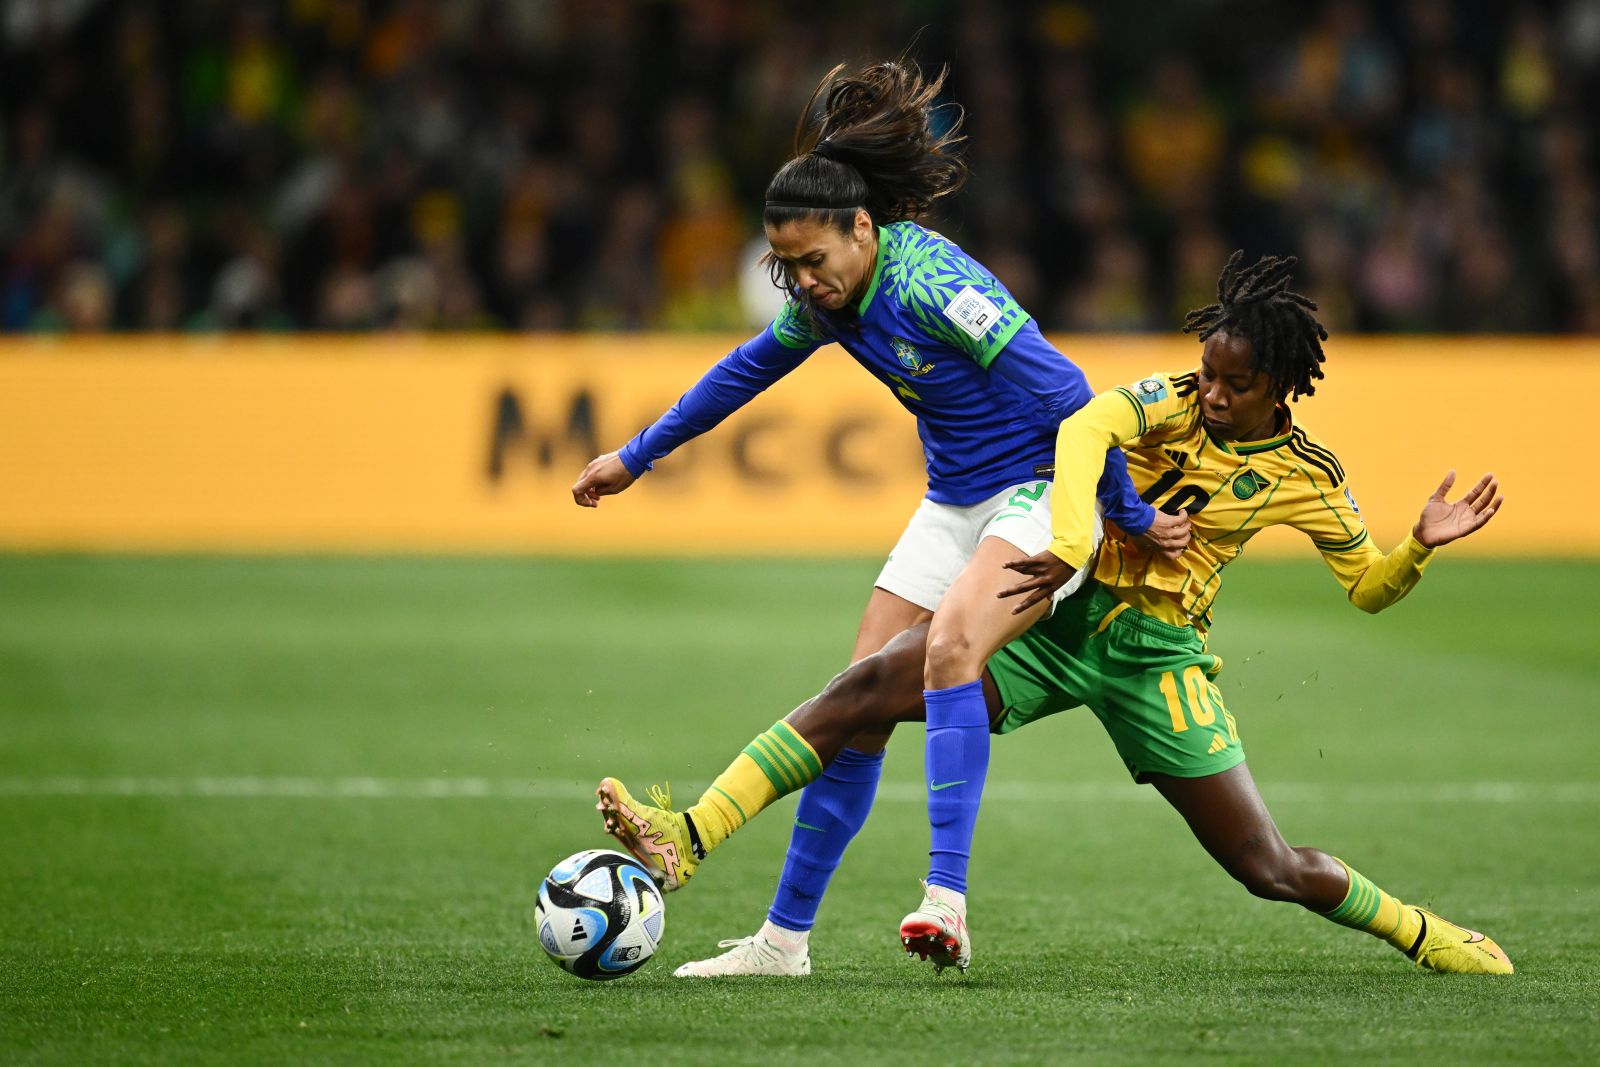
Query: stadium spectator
{"x": 417, "y": 164}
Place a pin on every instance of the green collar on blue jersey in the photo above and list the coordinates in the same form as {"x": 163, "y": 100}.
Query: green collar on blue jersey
{"x": 877, "y": 271}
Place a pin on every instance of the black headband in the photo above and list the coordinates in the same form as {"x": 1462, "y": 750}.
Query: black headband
{"x": 796, "y": 205}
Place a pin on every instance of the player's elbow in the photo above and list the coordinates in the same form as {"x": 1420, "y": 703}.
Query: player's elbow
{"x": 1368, "y": 597}
{"x": 1370, "y": 605}
{"x": 1373, "y": 601}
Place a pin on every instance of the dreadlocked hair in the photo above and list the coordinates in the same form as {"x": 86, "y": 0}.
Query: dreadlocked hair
{"x": 1257, "y": 303}
{"x": 874, "y": 147}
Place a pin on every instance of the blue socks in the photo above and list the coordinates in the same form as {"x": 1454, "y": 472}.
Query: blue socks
{"x": 832, "y": 810}
{"x": 957, "y": 762}
{"x": 834, "y": 807}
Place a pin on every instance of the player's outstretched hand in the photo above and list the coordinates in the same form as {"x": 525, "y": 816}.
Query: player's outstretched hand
{"x": 1046, "y": 572}
{"x": 1443, "y": 521}
{"x": 1167, "y": 536}
{"x": 604, "y": 476}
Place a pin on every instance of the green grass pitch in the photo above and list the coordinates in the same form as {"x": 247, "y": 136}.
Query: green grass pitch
{"x": 290, "y": 811}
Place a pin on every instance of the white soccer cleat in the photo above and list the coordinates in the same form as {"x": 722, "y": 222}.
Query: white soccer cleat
{"x": 749, "y": 957}
{"x": 937, "y": 931}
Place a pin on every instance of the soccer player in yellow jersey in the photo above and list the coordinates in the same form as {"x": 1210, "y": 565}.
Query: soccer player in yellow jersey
{"x": 1218, "y": 443}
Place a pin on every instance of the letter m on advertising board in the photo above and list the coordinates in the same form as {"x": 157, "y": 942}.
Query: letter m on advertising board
{"x": 571, "y": 440}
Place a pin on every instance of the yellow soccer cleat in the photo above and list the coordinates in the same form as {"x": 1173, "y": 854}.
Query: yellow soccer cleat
{"x": 1444, "y": 946}
{"x": 657, "y": 837}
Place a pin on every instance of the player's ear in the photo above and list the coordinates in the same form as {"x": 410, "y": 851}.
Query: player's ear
{"x": 863, "y": 225}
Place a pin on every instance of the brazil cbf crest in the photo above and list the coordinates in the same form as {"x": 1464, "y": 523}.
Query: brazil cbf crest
{"x": 909, "y": 357}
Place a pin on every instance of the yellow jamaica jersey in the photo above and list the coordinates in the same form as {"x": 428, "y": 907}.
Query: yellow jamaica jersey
{"x": 1231, "y": 490}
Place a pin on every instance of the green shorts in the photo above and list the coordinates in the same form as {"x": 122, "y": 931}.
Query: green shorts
{"x": 1148, "y": 682}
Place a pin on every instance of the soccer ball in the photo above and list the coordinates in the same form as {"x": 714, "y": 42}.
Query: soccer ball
{"x": 599, "y": 915}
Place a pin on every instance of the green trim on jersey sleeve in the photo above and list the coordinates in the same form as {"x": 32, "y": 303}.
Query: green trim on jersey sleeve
{"x": 1003, "y": 338}
{"x": 1166, "y": 407}
{"x": 927, "y": 275}
{"x": 1349, "y": 522}
{"x": 792, "y": 329}
{"x": 1343, "y": 546}
{"x": 1138, "y": 408}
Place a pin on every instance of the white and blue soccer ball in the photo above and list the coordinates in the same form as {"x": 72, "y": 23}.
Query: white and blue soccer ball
{"x": 599, "y": 915}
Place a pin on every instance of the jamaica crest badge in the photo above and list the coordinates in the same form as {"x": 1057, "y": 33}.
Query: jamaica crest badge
{"x": 1248, "y": 484}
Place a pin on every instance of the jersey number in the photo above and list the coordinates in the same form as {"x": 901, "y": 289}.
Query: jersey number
{"x": 1202, "y": 707}
{"x": 1190, "y": 498}
{"x": 1033, "y": 494}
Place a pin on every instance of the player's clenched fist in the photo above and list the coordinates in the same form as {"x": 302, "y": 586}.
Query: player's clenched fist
{"x": 1168, "y": 535}
{"x": 604, "y": 476}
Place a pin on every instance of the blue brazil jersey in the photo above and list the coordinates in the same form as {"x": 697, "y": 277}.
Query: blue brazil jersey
{"x": 929, "y": 326}
{"x": 952, "y": 346}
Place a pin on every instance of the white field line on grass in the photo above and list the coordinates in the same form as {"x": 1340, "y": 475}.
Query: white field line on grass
{"x": 448, "y": 788}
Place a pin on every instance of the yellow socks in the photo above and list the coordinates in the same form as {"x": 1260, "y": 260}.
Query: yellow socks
{"x": 775, "y": 764}
{"x": 1366, "y": 907}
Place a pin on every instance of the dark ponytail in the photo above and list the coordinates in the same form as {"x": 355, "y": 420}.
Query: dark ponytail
{"x": 874, "y": 148}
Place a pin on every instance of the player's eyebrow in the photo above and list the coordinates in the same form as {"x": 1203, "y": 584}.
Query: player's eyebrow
{"x": 1241, "y": 381}
{"x": 795, "y": 259}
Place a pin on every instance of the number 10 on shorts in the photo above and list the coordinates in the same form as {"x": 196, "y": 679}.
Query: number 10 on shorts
{"x": 1202, "y": 698}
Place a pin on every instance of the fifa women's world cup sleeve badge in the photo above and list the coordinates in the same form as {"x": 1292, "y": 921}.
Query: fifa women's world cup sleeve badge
{"x": 1150, "y": 391}
{"x": 909, "y": 357}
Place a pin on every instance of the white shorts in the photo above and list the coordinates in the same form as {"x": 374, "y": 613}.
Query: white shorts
{"x": 941, "y": 538}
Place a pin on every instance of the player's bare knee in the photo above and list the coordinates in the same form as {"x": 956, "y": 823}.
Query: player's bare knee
{"x": 952, "y": 659}
{"x": 857, "y": 695}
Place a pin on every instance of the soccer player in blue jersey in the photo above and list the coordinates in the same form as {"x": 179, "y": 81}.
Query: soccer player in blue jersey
{"x": 987, "y": 390}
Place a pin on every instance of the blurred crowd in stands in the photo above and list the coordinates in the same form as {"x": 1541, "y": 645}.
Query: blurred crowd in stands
{"x": 599, "y": 164}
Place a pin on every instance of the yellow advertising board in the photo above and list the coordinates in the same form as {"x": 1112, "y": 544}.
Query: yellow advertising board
{"x": 471, "y": 443}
